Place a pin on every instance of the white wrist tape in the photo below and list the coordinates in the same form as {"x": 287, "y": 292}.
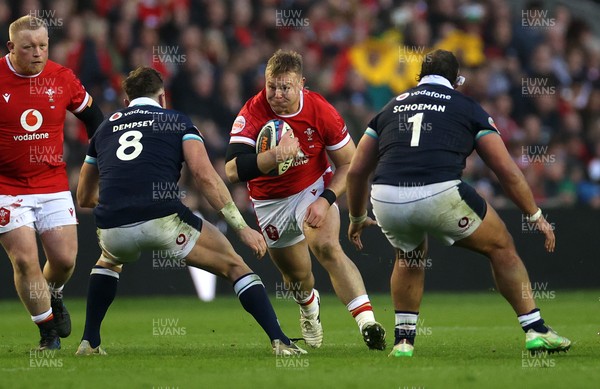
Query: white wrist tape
{"x": 233, "y": 217}
{"x": 358, "y": 219}
{"x": 535, "y": 217}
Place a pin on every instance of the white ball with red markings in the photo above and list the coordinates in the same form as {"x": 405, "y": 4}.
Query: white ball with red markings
{"x": 269, "y": 137}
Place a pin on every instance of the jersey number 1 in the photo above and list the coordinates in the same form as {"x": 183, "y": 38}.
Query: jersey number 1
{"x": 416, "y": 121}
{"x": 130, "y": 139}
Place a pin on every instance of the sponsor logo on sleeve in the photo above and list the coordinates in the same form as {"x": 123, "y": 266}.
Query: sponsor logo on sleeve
{"x": 238, "y": 125}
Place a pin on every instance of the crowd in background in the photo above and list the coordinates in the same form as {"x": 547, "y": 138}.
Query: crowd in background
{"x": 534, "y": 68}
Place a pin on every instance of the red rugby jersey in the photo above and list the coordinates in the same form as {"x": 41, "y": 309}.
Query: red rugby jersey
{"x": 318, "y": 127}
{"x": 32, "y": 116}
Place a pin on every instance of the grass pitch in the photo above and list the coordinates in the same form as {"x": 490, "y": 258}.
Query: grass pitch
{"x": 465, "y": 341}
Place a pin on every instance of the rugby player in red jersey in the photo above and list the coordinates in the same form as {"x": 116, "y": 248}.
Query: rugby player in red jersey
{"x": 34, "y": 190}
{"x": 296, "y": 211}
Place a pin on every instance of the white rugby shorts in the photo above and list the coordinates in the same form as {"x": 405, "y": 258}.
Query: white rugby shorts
{"x": 169, "y": 235}
{"x": 450, "y": 211}
{"x": 282, "y": 220}
{"x": 41, "y": 212}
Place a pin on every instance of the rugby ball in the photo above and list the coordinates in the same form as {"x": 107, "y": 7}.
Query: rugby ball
{"x": 269, "y": 137}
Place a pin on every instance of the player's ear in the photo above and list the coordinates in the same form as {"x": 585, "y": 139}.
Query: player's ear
{"x": 162, "y": 100}
{"x": 459, "y": 81}
{"x": 10, "y": 45}
{"x": 126, "y": 102}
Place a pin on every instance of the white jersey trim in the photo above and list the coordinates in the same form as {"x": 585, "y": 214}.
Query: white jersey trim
{"x": 83, "y": 104}
{"x": 339, "y": 145}
{"x": 243, "y": 139}
{"x": 436, "y": 80}
{"x": 144, "y": 101}
{"x": 12, "y": 69}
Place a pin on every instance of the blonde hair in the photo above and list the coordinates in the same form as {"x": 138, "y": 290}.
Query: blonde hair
{"x": 26, "y": 22}
{"x": 283, "y": 62}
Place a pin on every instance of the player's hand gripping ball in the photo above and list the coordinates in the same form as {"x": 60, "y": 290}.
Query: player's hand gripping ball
{"x": 269, "y": 137}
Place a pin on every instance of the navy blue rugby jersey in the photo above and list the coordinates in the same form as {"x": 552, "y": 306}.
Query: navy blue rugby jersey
{"x": 426, "y": 134}
{"x": 139, "y": 154}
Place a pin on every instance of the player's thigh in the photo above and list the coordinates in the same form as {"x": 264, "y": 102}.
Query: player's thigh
{"x": 17, "y": 211}
{"x": 489, "y": 236}
{"x": 53, "y": 211}
{"x": 278, "y": 222}
{"x": 60, "y": 245}
{"x": 293, "y": 262}
{"x": 170, "y": 237}
{"x": 416, "y": 255}
{"x": 56, "y": 223}
{"x": 214, "y": 253}
{"x": 21, "y": 247}
{"x": 398, "y": 222}
{"x": 17, "y": 227}
{"x": 119, "y": 244}
{"x": 325, "y": 240}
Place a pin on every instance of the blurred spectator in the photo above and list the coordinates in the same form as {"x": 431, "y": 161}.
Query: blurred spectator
{"x": 536, "y": 69}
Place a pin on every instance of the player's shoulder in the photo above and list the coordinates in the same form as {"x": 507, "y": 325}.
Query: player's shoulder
{"x": 467, "y": 104}
{"x": 108, "y": 122}
{"x": 56, "y": 69}
{"x": 466, "y": 99}
{"x": 173, "y": 115}
{"x": 320, "y": 111}
{"x": 316, "y": 100}
{"x": 6, "y": 69}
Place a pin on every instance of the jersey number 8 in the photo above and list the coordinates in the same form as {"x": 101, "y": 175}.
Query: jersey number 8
{"x": 127, "y": 141}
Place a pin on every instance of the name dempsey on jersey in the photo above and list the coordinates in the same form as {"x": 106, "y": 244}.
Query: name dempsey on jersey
{"x": 127, "y": 126}
{"x": 419, "y": 107}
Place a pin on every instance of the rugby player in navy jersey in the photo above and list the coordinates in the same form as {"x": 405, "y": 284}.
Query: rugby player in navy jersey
{"x": 130, "y": 178}
{"x": 417, "y": 146}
